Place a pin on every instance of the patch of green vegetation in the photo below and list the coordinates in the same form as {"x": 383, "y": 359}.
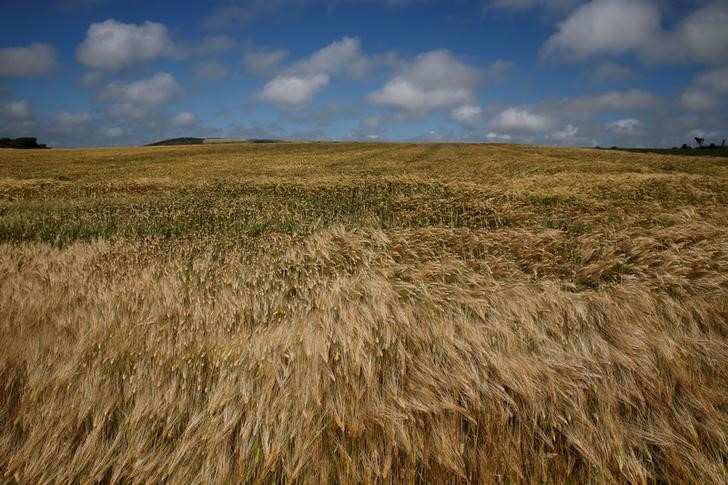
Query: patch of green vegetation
{"x": 696, "y": 152}
{"x": 178, "y": 141}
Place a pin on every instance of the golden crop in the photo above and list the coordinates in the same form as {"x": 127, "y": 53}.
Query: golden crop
{"x": 348, "y": 313}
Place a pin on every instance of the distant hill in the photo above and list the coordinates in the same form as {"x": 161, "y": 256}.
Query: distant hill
{"x": 178, "y": 141}
{"x": 208, "y": 141}
{"x": 694, "y": 152}
{"x": 25, "y": 142}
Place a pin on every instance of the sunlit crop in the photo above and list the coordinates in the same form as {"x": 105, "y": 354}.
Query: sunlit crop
{"x": 363, "y": 313}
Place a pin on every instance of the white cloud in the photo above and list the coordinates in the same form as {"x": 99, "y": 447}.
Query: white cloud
{"x": 608, "y": 71}
{"x": 129, "y": 111}
{"x": 521, "y": 120}
{"x": 113, "y": 132}
{"x": 213, "y": 44}
{"x": 371, "y": 122}
{"x": 148, "y": 93}
{"x": 701, "y": 37}
{"x": 568, "y": 133}
{"x": 210, "y": 70}
{"x": 623, "y": 26}
{"x": 31, "y": 61}
{"x": 702, "y": 134}
{"x": 493, "y": 136}
{"x": 404, "y": 94}
{"x": 496, "y": 72}
{"x": 298, "y": 84}
{"x": 138, "y": 99}
{"x": 235, "y": 13}
{"x": 264, "y": 62}
{"x": 715, "y": 79}
{"x": 573, "y": 120}
{"x": 707, "y": 92}
{"x": 696, "y": 99}
{"x": 466, "y": 114}
{"x": 184, "y": 119}
{"x": 342, "y": 57}
{"x": 605, "y": 26}
{"x": 435, "y": 80}
{"x": 227, "y": 15}
{"x": 627, "y": 126}
{"x": 633, "y": 99}
{"x": 293, "y": 90}
{"x": 16, "y": 110}
{"x": 65, "y": 122}
{"x": 113, "y": 45}
{"x": 91, "y": 78}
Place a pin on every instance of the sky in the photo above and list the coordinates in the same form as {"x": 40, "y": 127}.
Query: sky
{"x": 550, "y": 72}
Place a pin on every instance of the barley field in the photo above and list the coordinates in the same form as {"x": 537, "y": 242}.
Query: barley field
{"x": 363, "y": 313}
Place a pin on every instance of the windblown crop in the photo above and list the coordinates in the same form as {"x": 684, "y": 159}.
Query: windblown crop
{"x": 348, "y": 313}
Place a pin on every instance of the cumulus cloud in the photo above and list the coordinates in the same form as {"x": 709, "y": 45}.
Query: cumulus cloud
{"x": 466, "y": 115}
{"x": 151, "y": 92}
{"x": 623, "y": 26}
{"x": 341, "y": 57}
{"x": 91, "y": 78}
{"x": 576, "y": 120}
{"x": 567, "y": 133}
{"x": 627, "y": 126}
{"x": 17, "y": 118}
{"x": 609, "y": 72}
{"x": 715, "y": 79}
{"x": 224, "y": 16}
{"x": 235, "y": 13}
{"x": 697, "y": 99}
{"x": 264, "y": 62}
{"x": 16, "y": 110}
{"x": 28, "y": 61}
{"x": 65, "y": 122}
{"x": 113, "y": 45}
{"x": 493, "y": 136}
{"x": 210, "y": 70}
{"x": 213, "y": 44}
{"x": 701, "y": 36}
{"x": 406, "y": 95}
{"x": 369, "y": 128}
{"x": 298, "y": 84}
{"x": 707, "y": 91}
{"x": 434, "y": 80}
{"x": 497, "y": 71}
{"x": 184, "y": 119}
{"x": 137, "y": 99}
{"x": 521, "y": 120}
{"x": 114, "y": 132}
{"x": 605, "y": 26}
{"x": 630, "y": 100}
{"x": 293, "y": 90}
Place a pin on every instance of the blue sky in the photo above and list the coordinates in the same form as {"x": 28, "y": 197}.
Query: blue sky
{"x": 561, "y": 72}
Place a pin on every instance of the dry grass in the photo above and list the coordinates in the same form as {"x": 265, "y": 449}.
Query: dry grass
{"x": 347, "y": 313}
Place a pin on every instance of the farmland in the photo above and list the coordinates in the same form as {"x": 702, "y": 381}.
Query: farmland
{"x": 348, "y": 313}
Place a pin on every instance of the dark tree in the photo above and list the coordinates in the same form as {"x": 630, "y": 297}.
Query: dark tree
{"x": 699, "y": 141}
{"x": 25, "y": 142}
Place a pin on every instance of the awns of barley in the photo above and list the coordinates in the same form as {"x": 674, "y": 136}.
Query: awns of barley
{"x": 369, "y": 357}
{"x": 363, "y": 313}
